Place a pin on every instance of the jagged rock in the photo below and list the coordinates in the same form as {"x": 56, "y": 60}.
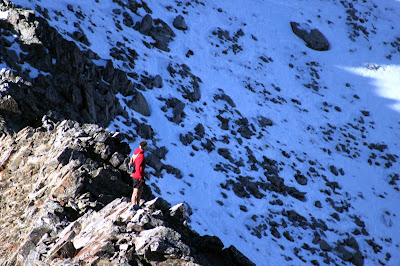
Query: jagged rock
{"x": 192, "y": 93}
{"x": 224, "y": 97}
{"x": 292, "y": 191}
{"x": 379, "y": 147}
{"x": 275, "y": 232}
{"x": 226, "y": 153}
{"x": 80, "y": 37}
{"x": 263, "y": 121}
{"x": 186, "y": 139}
{"x": 237, "y": 257}
{"x": 334, "y": 170}
{"x": 146, "y": 25}
{"x": 314, "y": 38}
{"x": 158, "y": 82}
{"x": 128, "y": 20}
{"x": 162, "y": 34}
{"x": 63, "y": 164}
{"x": 223, "y": 34}
{"x": 145, "y": 131}
{"x": 224, "y": 122}
{"x": 160, "y": 31}
{"x": 154, "y": 162}
{"x": 9, "y": 105}
{"x": 287, "y": 235}
{"x": 158, "y": 204}
{"x": 160, "y": 243}
{"x": 118, "y": 232}
{"x": 208, "y": 145}
{"x": 199, "y": 130}
{"x": 324, "y": 245}
{"x": 180, "y": 23}
{"x": 277, "y": 183}
{"x": 238, "y": 189}
{"x": 244, "y": 128}
{"x": 177, "y": 111}
{"x": 195, "y": 95}
{"x": 139, "y": 104}
{"x": 301, "y": 179}
{"x": 343, "y": 253}
{"x": 178, "y": 212}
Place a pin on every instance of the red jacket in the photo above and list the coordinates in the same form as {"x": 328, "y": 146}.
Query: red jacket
{"x": 140, "y": 164}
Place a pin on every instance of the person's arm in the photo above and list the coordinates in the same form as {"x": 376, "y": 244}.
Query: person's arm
{"x": 132, "y": 160}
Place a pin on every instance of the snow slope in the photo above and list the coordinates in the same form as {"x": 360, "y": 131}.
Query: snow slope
{"x": 335, "y": 119}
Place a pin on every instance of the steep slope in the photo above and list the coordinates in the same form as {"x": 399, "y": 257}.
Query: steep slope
{"x": 64, "y": 186}
{"x": 273, "y": 146}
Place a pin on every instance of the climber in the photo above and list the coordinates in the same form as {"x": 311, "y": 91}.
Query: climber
{"x": 138, "y": 163}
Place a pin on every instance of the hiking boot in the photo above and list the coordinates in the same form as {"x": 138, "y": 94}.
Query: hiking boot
{"x": 135, "y": 207}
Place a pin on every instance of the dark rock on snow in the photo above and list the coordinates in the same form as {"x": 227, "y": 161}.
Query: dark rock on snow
{"x": 139, "y": 104}
{"x": 180, "y": 23}
{"x": 313, "y": 38}
{"x": 158, "y": 30}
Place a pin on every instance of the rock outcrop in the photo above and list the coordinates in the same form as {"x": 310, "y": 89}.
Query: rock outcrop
{"x": 65, "y": 192}
{"x": 44, "y": 67}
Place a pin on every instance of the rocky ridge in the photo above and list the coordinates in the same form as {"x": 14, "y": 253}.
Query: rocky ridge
{"x": 65, "y": 197}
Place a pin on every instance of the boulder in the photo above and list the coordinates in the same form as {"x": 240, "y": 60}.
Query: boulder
{"x": 139, "y": 104}
{"x": 158, "y": 82}
{"x": 263, "y": 121}
{"x": 146, "y": 24}
{"x": 324, "y": 245}
{"x": 178, "y": 212}
{"x": 313, "y": 38}
{"x": 178, "y": 107}
{"x": 160, "y": 243}
{"x": 180, "y": 23}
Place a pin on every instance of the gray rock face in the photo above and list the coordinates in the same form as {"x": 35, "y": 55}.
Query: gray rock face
{"x": 314, "y": 38}
{"x": 75, "y": 87}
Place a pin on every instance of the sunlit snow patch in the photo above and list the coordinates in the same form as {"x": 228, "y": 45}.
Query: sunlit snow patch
{"x": 386, "y": 79}
{"x": 4, "y": 15}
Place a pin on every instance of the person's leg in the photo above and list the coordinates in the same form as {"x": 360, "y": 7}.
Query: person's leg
{"x": 135, "y": 196}
{"x": 140, "y": 191}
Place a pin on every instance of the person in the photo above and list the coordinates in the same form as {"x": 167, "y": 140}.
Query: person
{"x": 139, "y": 164}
